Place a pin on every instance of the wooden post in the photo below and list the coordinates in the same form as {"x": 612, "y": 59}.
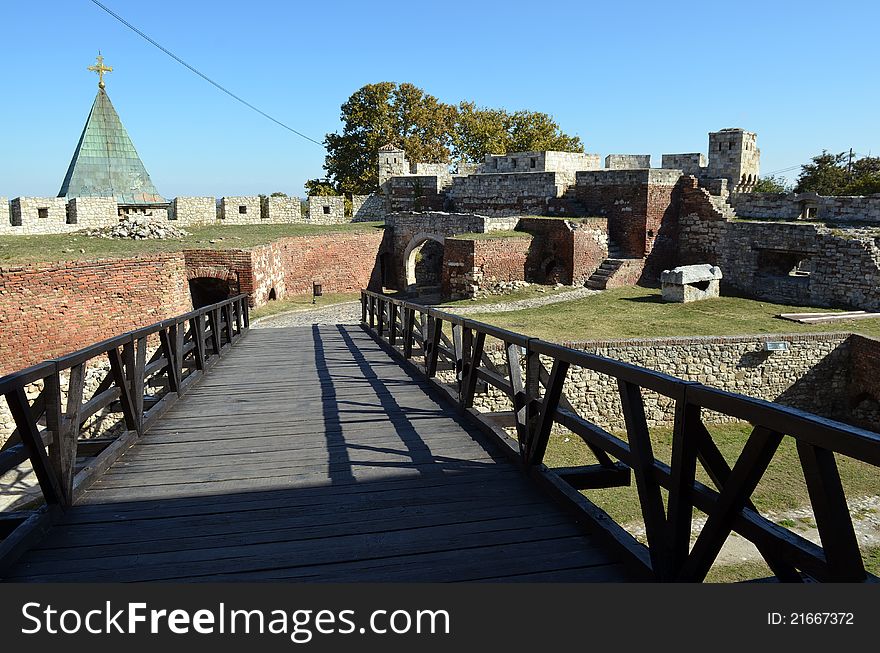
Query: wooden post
{"x": 30, "y": 437}
{"x": 470, "y": 384}
{"x": 436, "y": 330}
{"x": 517, "y": 397}
{"x": 61, "y": 458}
{"x": 171, "y": 366}
{"x": 552, "y": 395}
{"x": 684, "y": 469}
{"x": 392, "y": 323}
{"x": 198, "y": 330}
{"x": 118, "y": 372}
{"x": 409, "y": 319}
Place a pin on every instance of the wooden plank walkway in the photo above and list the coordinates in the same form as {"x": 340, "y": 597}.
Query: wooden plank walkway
{"x": 309, "y": 454}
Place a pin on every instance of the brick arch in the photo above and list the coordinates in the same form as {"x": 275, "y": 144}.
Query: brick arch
{"x": 211, "y": 272}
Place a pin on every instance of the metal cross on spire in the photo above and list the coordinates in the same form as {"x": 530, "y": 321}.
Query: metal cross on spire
{"x": 100, "y": 68}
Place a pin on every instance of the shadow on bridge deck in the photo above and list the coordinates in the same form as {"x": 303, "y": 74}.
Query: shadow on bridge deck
{"x": 308, "y": 454}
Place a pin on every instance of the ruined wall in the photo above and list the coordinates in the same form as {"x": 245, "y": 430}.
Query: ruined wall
{"x": 864, "y": 388}
{"x": 627, "y": 161}
{"x": 539, "y": 161}
{"x": 507, "y": 193}
{"x": 342, "y": 262}
{"x": 48, "y": 310}
{"x": 800, "y": 264}
{"x": 368, "y": 208}
{"x": 90, "y": 212}
{"x": 327, "y": 209}
{"x": 564, "y": 251}
{"x": 240, "y": 210}
{"x": 417, "y": 193}
{"x": 790, "y": 206}
{"x": 470, "y": 265}
{"x": 194, "y": 211}
{"x": 812, "y": 375}
{"x": 37, "y": 215}
{"x": 5, "y": 216}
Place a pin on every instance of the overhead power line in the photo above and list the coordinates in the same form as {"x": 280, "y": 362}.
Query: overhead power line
{"x": 201, "y": 74}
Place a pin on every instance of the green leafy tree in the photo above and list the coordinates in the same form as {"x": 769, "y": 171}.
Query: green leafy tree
{"x": 478, "y": 132}
{"x": 429, "y": 131}
{"x": 321, "y": 187}
{"x": 382, "y": 113}
{"x": 533, "y": 130}
{"x": 771, "y": 184}
{"x": 826, "y": 174}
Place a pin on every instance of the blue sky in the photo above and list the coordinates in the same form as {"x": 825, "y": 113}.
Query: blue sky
{"x": 627, "y": 77}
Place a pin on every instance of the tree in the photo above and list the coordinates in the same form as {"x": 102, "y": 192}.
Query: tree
{"x": 533, "y": 130}
{"x": 825, "y": 175}
{"x": 321, "y": 187}
{"x": 429, "y": 131}
{"x": 478, "y": 132}
{"x": 382, "y": 113}
{"x": 771, "y": 184}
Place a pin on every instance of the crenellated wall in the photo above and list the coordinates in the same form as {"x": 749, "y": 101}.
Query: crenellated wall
{"x": 241, "y": 209}
{"x": 194, "y": 211}
{"x": 327, "y": 209}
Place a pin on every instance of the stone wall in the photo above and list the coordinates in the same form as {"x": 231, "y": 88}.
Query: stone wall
{"x": 507, "y": 193}
{"x": 627, "y": 161}
{"x": 327, "y": 209}
{"x": 812, "y": 375}
{"x": 26, "y": 212}
{"x": 240, "y": 209}
{"x": 417, "y": 193}
{"x": 368, "y": 208}
{"x": 5, "y": 215}
{"x": 793, "y": 263}
{"x": 89, "y": 212}
{"x": 539, "y": 161}
{"x": 792, "y": 206}
{"x": 281, "y": 210}
{"x": 690, "y": 164}
{"x": 194, "y": 211}
{"x": 48, "y": 310}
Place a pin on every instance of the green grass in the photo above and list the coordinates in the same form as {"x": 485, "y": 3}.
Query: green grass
{"x": 492, "y": 235}
{"x": 62, "y": 247}
{"x": 636, "y": 312}
{"x": 301, "y": 303}
{"x": 781, "y": 488}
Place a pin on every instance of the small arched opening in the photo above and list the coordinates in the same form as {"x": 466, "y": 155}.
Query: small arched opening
{"x": 424, "y": 263}
{"x": 272, "y": 296}
{"x": 205, "y": 291}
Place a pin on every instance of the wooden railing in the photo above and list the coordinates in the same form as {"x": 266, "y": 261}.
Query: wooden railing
{"x": 48, "y": 427}
{"x": 539, "y": 403}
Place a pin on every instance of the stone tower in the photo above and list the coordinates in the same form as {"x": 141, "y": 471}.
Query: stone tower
{"x": 392, "y": 163}
{"x": 734, "y": 155}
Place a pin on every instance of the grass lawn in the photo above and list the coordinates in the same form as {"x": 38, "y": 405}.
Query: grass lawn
{"x": 301, "y": 303}
{"x": 63, "y": 247}
{"x": 491, "y": 235}
{"x": 781, "y": 489}
{"x": 636, "y": 312}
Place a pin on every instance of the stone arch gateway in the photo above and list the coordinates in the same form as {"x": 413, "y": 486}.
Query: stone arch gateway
{"x": 423, "y": 260}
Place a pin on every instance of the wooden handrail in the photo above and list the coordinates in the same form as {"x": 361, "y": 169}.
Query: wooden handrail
{"x": 181, "y": 359}
{"x": 539, "y": 403}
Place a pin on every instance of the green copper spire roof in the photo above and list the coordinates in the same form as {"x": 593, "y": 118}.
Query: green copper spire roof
{"x": 105, "y": 163}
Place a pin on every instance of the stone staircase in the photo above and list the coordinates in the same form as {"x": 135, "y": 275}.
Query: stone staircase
{"x": 567, "y": 205}
{"x": 605, "y": 275}
{"x": 721, "y": 206}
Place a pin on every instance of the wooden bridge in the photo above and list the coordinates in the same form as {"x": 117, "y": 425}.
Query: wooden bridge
{"x": 336, "y": 454}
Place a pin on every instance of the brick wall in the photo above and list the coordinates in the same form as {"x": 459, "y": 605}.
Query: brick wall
{"x": 48, "y": 310}
{"x": 340, "y": 262}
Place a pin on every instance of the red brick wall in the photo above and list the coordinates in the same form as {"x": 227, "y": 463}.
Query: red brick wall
{"x": 865, "y": 361}
{"x": 340, "y": 262}
{"x": 625, "y": 206}
{"x": 588, "y": 251}
{"x": 502, "y": 259}
{"x": 48, "y": 310}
